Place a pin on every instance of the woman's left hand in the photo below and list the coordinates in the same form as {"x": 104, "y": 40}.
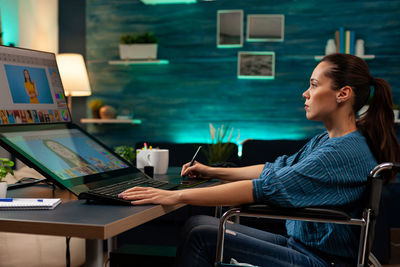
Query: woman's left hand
{"x": 150, "y": 195}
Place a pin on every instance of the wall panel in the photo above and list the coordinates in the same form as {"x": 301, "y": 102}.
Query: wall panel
{"x": 177, "y": 101}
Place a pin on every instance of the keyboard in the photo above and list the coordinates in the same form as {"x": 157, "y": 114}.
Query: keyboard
{"x": 110, "y": 193}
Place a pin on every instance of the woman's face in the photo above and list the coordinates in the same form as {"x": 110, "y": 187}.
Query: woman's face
{"x": 26, "y": 74}
{"x": 320, "y": 98}
{"x": 61, "y": 150}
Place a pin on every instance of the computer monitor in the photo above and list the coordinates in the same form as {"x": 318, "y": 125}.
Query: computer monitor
{"x": 30, "y": 88}
{"x": 36, "y": 126}
{"x": 62, "y": 152}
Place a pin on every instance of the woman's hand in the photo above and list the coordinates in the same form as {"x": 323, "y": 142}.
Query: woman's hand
{"x": 197, "y": 170}
{"x": 150, "y": 195}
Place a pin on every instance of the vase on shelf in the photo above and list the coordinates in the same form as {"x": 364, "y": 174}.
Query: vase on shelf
{"x": 396, "y": 113}
{"x": 360, "y": 50}
{"x": 107, "y": 112}
{"x": 330, "y": 47}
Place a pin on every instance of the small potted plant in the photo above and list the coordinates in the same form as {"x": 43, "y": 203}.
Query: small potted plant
{"x": 95, "y": 106}
{"x": 143, "y": 46}
{"x": 5, "y": 168}
{"x": 219, "y": 151}
{"x": 127, "y": 153}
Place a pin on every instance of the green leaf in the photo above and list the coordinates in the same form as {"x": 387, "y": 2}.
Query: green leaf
{"x": 127, "y": 153}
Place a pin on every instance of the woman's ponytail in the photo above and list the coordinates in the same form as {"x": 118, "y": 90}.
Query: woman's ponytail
{"x": 377, "y": 124}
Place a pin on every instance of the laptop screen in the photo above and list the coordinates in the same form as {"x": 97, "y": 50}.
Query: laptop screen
{"x": 30, "y": 88}
{"x": 65, "y": 153}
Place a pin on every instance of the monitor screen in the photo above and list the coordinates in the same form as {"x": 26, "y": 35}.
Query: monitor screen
{"x": 65, "y": 153}
{"x": 30, "y": 88}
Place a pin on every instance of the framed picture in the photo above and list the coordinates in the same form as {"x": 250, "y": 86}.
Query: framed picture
{"x": 265, "y": 28}
{"x": 229, "y": 28}
{"x": 256, "y": 65}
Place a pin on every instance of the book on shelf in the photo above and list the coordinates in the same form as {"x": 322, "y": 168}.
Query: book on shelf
{"x": 352, "y": 43}
{"x": 347, "y": 42}
{"x": 341, "y": 40}
{"x": 337, "y": 40}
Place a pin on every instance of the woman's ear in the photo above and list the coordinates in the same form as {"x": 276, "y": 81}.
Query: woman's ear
{"x": 344, "y": 94}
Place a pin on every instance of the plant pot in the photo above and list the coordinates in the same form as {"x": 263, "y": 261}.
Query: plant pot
{"x": 3, "y": 189}
{"x": 138, "y": 51}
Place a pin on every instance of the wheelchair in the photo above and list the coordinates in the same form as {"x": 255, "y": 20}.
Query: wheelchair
{"x": 370, "y": 212}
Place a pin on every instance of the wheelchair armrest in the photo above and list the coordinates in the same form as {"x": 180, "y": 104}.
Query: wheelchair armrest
{"x": 307, "y": 213}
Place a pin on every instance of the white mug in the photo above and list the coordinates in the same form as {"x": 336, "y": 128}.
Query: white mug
{"x": 158, "y": 158}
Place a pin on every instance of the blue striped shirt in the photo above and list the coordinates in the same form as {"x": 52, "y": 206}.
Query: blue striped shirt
{"x": 326, "y": 172}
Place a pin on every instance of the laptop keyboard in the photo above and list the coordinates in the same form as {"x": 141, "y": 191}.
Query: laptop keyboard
{"x": 112, "y": 191}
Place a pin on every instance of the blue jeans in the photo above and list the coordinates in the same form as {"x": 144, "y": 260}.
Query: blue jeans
{"x": 197, "y": 246}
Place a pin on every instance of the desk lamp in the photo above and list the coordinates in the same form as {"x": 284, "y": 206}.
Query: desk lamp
{"x": 74, "y": 76}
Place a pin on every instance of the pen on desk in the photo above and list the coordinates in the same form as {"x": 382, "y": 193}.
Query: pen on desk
{"x": 6, "y": 199}
{"x": 194, "y": 157}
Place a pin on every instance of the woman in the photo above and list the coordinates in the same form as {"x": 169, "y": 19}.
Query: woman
{"x": 30, "y": 88}
{"x": 328, "y": 171}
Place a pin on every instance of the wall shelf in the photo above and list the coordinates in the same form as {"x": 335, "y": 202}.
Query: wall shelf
{"x": 139, "y": 62}
{"x": 365, "y": 57}
{"x": 111, "y": 121}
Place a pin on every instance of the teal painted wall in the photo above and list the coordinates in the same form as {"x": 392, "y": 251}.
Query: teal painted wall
{"x": 176, "y": 102}
{"x": 9, "y": 21}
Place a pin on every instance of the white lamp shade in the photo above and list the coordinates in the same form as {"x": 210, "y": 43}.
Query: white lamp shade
{"x": 73, "y": 74}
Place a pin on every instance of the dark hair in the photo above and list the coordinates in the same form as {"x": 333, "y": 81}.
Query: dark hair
{"x": 28, "y": 75}
{"x": 377, "y": 124}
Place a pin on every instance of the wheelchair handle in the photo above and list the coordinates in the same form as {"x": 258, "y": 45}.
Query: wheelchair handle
{"x": 384, "y": 166}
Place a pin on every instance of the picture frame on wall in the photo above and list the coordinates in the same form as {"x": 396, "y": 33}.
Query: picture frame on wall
{"x": 256, "y": 65}
{"x": 229, "y": 28}
{"x": 265, "y": 28}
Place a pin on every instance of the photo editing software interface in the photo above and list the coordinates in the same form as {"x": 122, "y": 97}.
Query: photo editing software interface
{"x": 31, "y": 93}
{"x": 30, "y": 88}
{"x": 66, "y": 153}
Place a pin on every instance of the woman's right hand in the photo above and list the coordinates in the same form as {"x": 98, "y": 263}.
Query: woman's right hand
{"x": 197, "y": 170}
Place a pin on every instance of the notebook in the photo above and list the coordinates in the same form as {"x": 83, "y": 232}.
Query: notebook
{"x": 36, "y": 126}
{"x": 30, "y": 204}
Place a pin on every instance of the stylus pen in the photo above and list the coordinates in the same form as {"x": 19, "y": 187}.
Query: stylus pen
{"x": 6, "y": 199}
{"x": 194, "y": 157}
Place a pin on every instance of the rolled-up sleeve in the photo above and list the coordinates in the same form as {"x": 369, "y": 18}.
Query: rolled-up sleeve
{"x": 310, "y": 182}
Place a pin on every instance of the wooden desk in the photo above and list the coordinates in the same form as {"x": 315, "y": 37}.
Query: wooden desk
{"x": 75, "y": 218}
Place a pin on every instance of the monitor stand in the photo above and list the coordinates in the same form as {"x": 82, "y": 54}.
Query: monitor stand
{"x": 26, "y": 181}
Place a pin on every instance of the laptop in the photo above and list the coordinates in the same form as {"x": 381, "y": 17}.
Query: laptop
{"x": 36, "y": 126}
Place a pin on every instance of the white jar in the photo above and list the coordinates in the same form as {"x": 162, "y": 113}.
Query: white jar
{"x": 330, "y": 47}
{"x": 360, "y": 47}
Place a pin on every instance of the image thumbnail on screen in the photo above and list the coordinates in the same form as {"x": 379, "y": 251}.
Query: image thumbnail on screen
{"x": 28, "y": 84}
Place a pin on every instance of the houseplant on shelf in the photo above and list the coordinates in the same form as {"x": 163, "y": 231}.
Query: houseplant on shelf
{"x": 5, "y": 168}
{"x": 143, "y": 46}
{"x": 95, "y": 106}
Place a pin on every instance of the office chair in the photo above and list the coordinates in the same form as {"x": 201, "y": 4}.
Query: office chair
{"x": 366, "y": 222}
